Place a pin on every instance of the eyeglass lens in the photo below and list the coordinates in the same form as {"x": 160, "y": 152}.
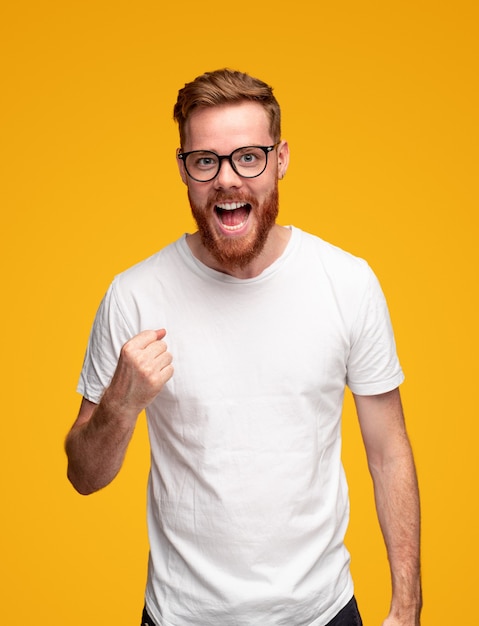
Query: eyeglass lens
{"x": 248, "y": 162}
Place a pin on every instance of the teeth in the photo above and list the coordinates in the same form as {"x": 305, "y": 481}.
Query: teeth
{"x": 231, "y": 206}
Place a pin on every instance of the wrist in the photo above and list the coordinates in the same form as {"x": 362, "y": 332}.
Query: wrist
{"x": 406, "y": 614}
{"x": 115, "y": 409}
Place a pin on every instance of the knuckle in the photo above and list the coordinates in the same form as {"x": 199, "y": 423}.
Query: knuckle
{"x": 128, "y": 349}
{"x": 163, "y": 346}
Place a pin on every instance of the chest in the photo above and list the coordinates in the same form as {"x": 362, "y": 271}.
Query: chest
{"x": 260, "y": 343}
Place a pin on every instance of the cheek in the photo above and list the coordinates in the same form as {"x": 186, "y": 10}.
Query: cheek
{"x": 198, "y": 197}
{"x": 264, "y": 191}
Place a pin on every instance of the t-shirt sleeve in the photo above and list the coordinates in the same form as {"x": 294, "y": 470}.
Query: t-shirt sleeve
{"x": 109, "y": 333}
{"x": 373, "y": 365}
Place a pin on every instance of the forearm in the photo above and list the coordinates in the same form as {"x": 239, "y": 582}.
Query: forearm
{"x": 397, "y": 502}
{"x": 98, "y": 440}
{"x": 96, "y": 448}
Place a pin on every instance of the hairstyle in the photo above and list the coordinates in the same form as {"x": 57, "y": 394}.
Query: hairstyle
{"x": 226, "y": 87}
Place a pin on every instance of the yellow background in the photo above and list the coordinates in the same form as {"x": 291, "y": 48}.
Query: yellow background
{"x": 380, "y": 103}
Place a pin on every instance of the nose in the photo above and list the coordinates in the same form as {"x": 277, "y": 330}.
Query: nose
{"x": 227, "y": 177}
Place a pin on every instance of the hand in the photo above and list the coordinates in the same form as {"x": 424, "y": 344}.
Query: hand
{"x": 143, "y": 368}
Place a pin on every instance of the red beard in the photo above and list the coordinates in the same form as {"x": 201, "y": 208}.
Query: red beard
{"x": 236, "y": 252}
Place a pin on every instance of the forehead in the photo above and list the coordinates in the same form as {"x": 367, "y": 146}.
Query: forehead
{"x": 226, "y": 127}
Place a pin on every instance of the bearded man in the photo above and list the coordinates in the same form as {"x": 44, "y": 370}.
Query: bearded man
{"x": 267, "y": 325}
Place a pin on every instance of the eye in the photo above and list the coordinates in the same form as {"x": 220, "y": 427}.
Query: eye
{"x": 249, "y": 157}
{"x": 204, "y": 160}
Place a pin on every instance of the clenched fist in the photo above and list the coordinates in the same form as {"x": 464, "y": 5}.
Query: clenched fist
{"x": 143, "y": 368}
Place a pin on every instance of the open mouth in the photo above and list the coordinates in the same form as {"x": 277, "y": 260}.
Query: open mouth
{"x": 233, "y": 215}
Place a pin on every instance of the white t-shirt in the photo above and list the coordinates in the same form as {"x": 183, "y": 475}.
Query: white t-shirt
{"x": 247, "y": 499}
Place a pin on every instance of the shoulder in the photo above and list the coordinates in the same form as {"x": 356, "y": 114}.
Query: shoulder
{"x": 337, "y": 264}
{"x": 136, "y": 298}
{"x": 149, "y": 271}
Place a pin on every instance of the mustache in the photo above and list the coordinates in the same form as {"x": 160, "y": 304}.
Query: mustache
{"x": 220, "y": 197}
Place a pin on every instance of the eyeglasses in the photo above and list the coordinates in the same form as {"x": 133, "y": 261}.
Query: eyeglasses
{"x": 247, "y": 162}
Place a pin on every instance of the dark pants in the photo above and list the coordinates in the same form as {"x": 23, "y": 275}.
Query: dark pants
{"x": 349, "y": 616}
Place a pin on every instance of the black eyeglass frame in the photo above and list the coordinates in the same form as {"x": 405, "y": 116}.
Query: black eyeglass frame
{"x": 221, "y": 157}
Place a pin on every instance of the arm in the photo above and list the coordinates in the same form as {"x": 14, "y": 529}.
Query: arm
{"x": 396, "y": 492}
{"x": 97, "y": 442}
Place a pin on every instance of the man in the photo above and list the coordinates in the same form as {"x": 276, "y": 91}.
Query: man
{"x": 247, "y": 501}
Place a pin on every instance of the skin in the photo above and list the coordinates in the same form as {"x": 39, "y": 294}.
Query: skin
{"x": 223, "y": 129}
{"x": 392, "y": 469}
{"x": 98, "y": 440}
{"x": 97, "y": 443}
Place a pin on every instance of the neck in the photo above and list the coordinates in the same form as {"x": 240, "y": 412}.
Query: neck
{"x": 274, "y": 247}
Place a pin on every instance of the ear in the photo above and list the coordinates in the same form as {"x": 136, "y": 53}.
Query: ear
{"x": 181, "y": 167}
{"x": 283, "y": 158}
